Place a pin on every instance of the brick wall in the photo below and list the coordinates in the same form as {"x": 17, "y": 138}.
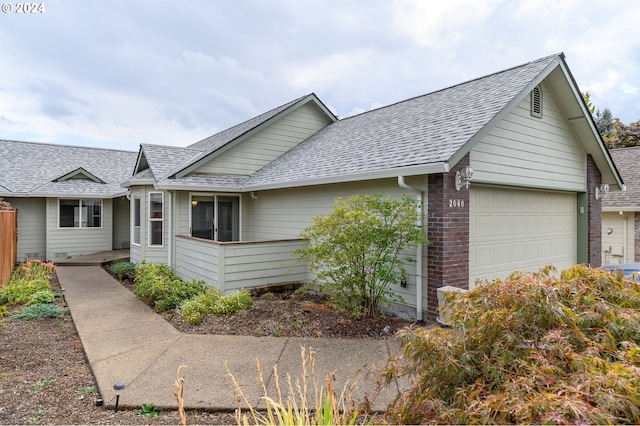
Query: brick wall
{"x": 636, "y": 232}
{"x": 594, "y": 233}
{"x": 448, "y": 233}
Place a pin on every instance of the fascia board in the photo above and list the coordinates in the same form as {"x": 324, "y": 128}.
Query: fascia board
{"x": 74, "y": 195}
{"x": 212, "y": 188}
{"x": 426, "y": 169}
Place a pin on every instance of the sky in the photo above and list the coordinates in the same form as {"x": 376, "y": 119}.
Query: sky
{"x": 116, "y": 74}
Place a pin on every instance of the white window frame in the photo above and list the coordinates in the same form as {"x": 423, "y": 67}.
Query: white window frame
{"x": 215, "y": 196}
{"x": 134, "y": 197}
{"x": 152, "y": 220}
{"x": 81, "y": 211}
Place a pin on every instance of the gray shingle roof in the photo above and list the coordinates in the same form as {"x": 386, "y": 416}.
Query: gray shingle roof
{"x": 163, "y": 159}
{"x": 29, "y": 167}
{"x": 220, "y": 139}
{"x": 419, "y": 131}
{"x": 627, "y": 161}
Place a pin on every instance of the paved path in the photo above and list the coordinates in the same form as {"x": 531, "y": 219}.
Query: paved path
{"x": 127, "y": 341}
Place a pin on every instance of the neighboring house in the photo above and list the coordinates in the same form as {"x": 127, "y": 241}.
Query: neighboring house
{"x": 229, "y": 208}
{"x": 621, "y": 212}
{"x": 69, "y": 198}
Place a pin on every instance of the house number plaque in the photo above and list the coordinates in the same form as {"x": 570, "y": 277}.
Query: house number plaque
{"x": 456, "y": 203}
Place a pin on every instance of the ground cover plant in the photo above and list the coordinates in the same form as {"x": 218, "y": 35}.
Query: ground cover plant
{"x": 160, "y": 287}
{"x": 358, "y": 250}
{"x": 534, "y": 348}
{"x": 29, "y": 283}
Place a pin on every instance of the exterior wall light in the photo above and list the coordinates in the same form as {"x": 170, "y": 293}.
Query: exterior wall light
{"x": 118, "y": 387}
{"x": 601, "y": 191}
{"x": 463, "y": 178}
{"x": 194, "y": 203}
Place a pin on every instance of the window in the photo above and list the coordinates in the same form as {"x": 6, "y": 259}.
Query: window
{"x": 156, "y": 222}
{"x": 79, "y": 213}
{"x": 215, "y": 217}
{"x": 136, "y": 221}
{"x": 536, "y": 102}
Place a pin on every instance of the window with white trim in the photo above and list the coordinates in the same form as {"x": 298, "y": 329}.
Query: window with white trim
{"x": 156, "y": 220}
{"x": 215, "y": 217}
{"x": 79, "y": 213}
{"x": 136, "y": 220}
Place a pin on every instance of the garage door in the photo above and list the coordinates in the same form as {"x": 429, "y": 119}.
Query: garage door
{"x": 520, "y": 230}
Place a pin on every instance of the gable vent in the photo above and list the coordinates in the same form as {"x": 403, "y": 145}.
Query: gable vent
{"x": 536, "y": 102}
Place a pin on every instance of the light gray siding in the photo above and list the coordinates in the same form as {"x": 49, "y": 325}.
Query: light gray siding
{"x": 197, "y": 260}
{"x": 254, "y": 264}
{"x": 151, "y": 254}
{"x": 232, "y": 266}
{"x": 32, "y": 229}
{"x": 260, "y": 149}
{"x": 69, "y": 242}
{"x": 281, "y": 214}
{"x": 522, "y": 150}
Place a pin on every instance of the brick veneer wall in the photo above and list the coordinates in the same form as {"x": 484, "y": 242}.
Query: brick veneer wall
{"x": 594, "y": 233}
{"x": 448, "y": 233}
{"x": 636, "y": 232}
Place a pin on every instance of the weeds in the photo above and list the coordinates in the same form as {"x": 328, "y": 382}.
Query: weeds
{"x": 87, "y": 390}
{"x": 307, "y": 403}
{"x": 35, "y": 420}
{"x": 149, "y": 411}
{"x": 178, "y": 391}
{"x": 41, "y": 385}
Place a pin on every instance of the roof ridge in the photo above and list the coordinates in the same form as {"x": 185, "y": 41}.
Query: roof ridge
{"x": 559, "y": 55}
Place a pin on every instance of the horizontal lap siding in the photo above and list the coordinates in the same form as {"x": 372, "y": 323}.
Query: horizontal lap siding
{"x": 197, "y": 260}
{"x": 522, "y": 150}
{"x": 279, "y": 214}
{"x": 31, "y": 227}
{"x": 260, "y": 149}
{"x": 255, "y": 264}
{"x": 71, "y": 242}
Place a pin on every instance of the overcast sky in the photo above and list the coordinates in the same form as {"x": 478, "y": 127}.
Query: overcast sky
{"x": 119, "y": 73}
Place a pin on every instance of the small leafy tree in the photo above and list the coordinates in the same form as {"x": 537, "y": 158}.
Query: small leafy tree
{"x": 532, "y": 349}
{"x": 357, "y": 250}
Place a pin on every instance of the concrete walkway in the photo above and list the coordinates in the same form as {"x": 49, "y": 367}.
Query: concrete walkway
{"x": 125, "y": 340}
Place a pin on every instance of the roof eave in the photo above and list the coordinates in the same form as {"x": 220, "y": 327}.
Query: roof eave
{"x": 423, "y": 169}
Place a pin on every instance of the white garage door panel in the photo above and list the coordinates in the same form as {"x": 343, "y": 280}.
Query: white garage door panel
{"x": 519, "y": 230}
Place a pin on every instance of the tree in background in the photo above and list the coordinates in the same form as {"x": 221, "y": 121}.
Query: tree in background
{"x": 358, "y": 250}
{"x": 605, "y": 124}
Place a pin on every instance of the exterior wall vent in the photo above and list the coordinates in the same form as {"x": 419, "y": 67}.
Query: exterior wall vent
{"x": 536, "y": 102}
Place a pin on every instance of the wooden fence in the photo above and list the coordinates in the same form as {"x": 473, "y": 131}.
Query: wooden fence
{"x": 8, "y": 243}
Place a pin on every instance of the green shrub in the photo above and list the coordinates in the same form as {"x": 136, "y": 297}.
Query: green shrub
{"x": 42, "y": 296}
{"x": 124, "y": 270}
{"x": 535, "y": 348}
{"x": 358, "y": 250}
{"x": 26, "y": 280}
{"x": 214, "y": 302}
{"x": 45, "y": 310}
{"x": 158, "y": 286}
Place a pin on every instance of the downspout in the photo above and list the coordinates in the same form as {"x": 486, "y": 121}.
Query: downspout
{"x": 419, "y": 250}
{"x": 170, "y": 219}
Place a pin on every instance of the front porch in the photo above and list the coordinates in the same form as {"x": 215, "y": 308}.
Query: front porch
{"x": 234, "y": 265}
